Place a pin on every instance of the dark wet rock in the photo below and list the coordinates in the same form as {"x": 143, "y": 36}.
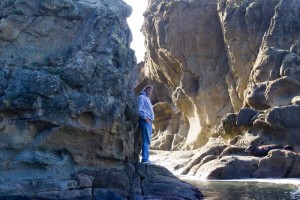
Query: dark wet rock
{"x": 107, "y": 194}
{"x": 246, "y": 116}
{"x": 125, "y": 181}
{"x": 84, "y": 181}
{"x": 264, "y": 149}
{"x": 66, "y": 194}
{"x": 159, "y": 182}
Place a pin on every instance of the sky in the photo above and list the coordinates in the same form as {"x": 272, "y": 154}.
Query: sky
{"x": 135, "y": 22}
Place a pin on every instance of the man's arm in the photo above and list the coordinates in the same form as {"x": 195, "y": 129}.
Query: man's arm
{"x": 142, "y": 107}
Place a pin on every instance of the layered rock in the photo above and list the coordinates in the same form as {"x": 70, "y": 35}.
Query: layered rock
{"x": 231, "y": 69}
{"x": 120, "y": 181}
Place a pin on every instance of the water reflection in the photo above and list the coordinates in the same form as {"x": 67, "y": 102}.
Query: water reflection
{"x": 248, "y": 189}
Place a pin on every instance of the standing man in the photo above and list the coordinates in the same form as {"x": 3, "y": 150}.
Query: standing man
{"x": 146, "y": 117}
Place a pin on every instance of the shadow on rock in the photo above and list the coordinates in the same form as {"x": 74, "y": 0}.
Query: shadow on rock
{"x": 159, "y": 183}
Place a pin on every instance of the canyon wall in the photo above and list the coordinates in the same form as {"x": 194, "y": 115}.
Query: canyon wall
{"x": 226, "y": 72}
{"x": 209, "y": 58}
{"x": 186, "y": 54}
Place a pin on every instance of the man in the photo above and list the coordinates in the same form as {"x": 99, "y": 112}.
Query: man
{"x": 146, "y": 117}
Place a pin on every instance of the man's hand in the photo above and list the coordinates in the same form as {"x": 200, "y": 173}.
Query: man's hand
{"x": 147, "y": 120}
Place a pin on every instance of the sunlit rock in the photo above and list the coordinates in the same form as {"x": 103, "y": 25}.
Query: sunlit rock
{"x": 231, "y": 60}
{"x": 190, "y": 60}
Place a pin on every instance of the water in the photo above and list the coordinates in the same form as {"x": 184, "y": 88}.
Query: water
{"x": 242, "y": 189}
{"x": 251, "y": 189}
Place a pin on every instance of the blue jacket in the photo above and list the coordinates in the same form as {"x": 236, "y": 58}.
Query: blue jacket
{"x": 145, "y": 107}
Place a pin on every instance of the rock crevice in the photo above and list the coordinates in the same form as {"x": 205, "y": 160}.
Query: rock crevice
{"x": 238, "y": 81}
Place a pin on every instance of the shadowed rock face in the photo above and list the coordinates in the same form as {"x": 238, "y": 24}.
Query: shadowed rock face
{"x": 67, "y": 64}
{"x": 66, "y": 93}
{"x": 231, "y": 69}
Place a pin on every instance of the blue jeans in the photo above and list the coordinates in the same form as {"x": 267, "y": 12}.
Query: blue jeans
{"x": 146, "y": 129}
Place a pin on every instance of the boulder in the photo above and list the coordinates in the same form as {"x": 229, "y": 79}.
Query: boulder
{"x": 246, "y": 116}
{"x": 214, "y": 147}
{"x": 277, "y": 164}
{"x": 159, "y": 182}
{"x": 228, "y": 167}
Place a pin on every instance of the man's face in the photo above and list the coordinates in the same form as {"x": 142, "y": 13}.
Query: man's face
{"x": 149, "y": 92}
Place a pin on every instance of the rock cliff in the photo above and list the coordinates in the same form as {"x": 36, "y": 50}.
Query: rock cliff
{"x": 66, "y": 74}
{"x": 67, "y": 106}
{"x": 185, "y": 53}
{"x": 227, "y": 73}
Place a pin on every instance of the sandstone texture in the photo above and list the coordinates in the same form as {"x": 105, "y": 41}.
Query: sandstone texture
{"x": 67, "y": 105}
{"x": 185, "y": 54}
{"x": 228, "y": 72}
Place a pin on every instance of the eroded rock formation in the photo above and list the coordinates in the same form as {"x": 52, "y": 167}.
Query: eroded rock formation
{"x": 230, "y": 68}
{"x": 186, "y": 53}
{"x": 66, "y": 78}
{"x": 67, "y": 106}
